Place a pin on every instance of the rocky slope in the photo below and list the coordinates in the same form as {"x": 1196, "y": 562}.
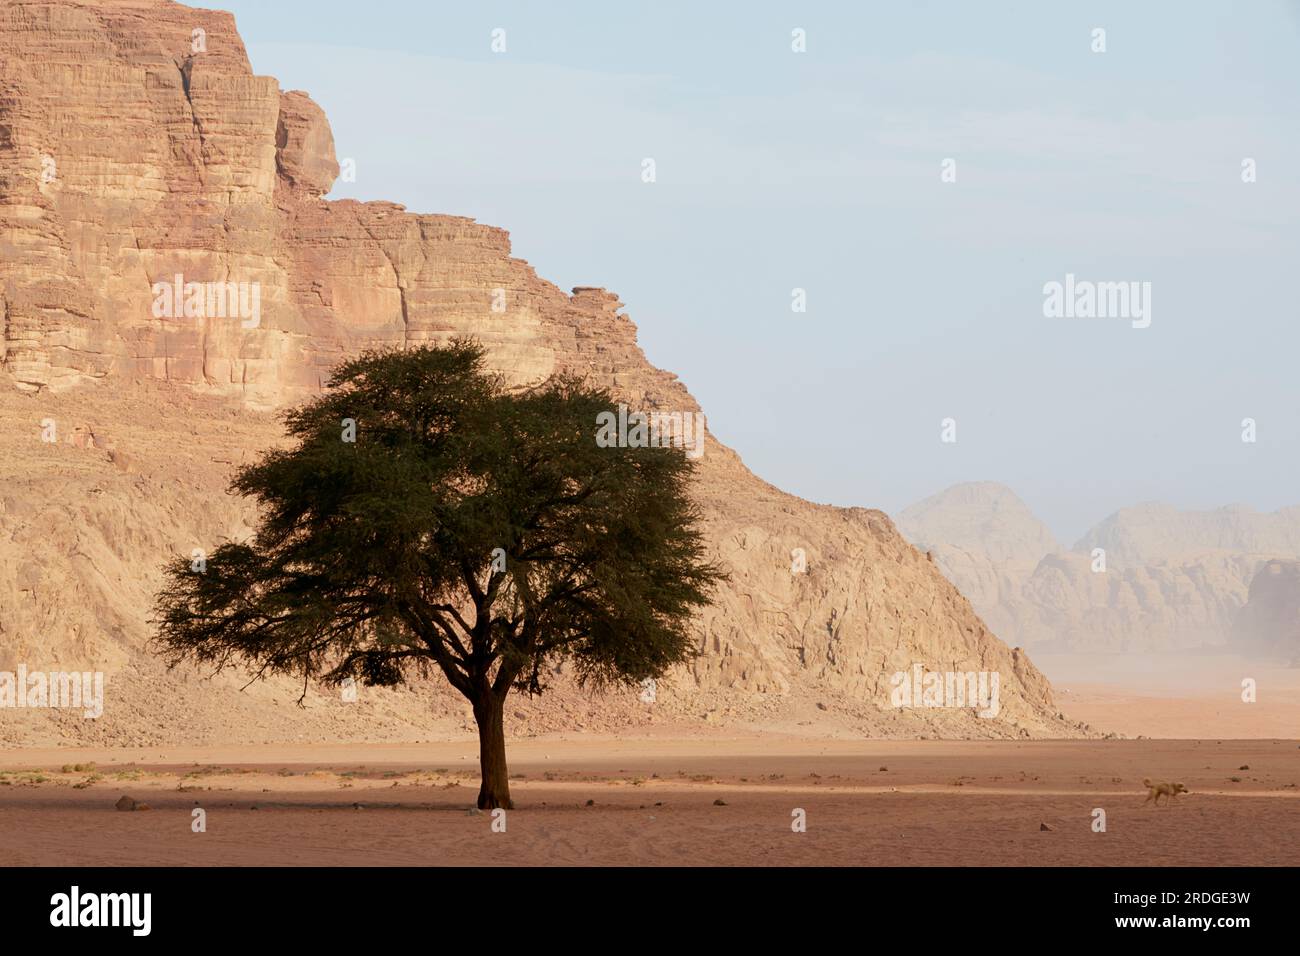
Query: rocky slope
{"x": 128, "y": 155}
{"x": 1172, "y": 579}
{"x": 986, "y": 540}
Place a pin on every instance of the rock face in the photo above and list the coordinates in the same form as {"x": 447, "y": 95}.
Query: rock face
{"x": 1154, "y": 533}
{"x": 1188, "y": 602}
{"x": 171, "y": 273}
{"x": 1270, "y": 621}
{"x": 981, "y": 517}
{"x": 134, "y": 149}
{"x": 1172, "y": 579}
{"x": 985, "y": 540}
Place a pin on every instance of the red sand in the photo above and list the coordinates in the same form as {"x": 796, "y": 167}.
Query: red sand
{"x": 939, "y": 802}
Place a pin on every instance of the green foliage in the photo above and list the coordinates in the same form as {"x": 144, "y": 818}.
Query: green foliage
{"x": 374, "y": 557}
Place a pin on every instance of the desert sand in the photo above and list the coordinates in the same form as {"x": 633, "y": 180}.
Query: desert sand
{"x": 653, "y": 792}
{"x": 1176, "y": 695}
{"x": 655, "y": 801}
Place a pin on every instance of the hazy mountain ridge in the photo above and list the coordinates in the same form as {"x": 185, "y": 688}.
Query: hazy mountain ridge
{"x": 1172, "y": 579}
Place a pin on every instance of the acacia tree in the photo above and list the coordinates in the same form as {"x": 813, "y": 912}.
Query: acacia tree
{"x": 425, "y": 515}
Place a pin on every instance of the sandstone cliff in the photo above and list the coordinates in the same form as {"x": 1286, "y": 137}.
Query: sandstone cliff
{"x": 136, "y": 145}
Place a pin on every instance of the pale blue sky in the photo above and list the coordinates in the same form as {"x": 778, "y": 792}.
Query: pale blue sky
{"x": 822, "y": 171}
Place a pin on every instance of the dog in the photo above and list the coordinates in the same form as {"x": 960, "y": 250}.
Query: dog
{"x": 1157, "y": 789}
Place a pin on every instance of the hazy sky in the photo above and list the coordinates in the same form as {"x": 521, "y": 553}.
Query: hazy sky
{"x": 821, "y": 170}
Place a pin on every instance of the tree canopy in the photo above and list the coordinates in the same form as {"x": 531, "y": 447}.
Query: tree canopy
{"x": 426, "y": 515}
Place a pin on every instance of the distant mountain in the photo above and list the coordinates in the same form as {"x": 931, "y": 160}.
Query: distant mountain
{"x": 981, "y": 516}
{"x": 1167, "y": 579}
{"x": 1270, "y": 621}
{"x": 985, "y": 540}
{"x": 1153, "y": 533}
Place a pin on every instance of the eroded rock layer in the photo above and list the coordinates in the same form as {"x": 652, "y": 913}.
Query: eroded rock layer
{"x": 171, "y": 272}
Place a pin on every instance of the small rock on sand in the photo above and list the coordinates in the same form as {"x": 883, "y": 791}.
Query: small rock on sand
{"x": 125, "y": 803}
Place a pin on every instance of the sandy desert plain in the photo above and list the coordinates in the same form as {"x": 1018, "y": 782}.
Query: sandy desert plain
{"x": 140, "y": 145}
{"x": 684, "y": 795}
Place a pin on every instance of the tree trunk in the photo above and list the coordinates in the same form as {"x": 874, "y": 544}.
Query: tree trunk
{"x": 489, "y": 715}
